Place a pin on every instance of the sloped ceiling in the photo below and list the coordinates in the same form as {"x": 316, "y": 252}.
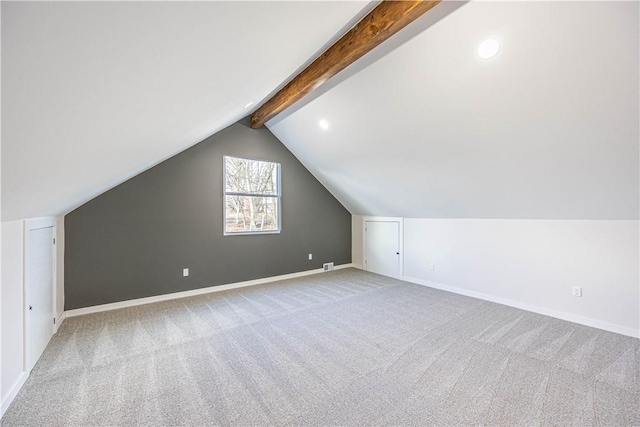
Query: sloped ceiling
{"x": 549, "y": 128}
{"x": 96, "y": 92}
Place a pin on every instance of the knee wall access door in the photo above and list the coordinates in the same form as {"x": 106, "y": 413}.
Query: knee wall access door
{"x": 40, "y": 290}
{"x": 382, "y": 247}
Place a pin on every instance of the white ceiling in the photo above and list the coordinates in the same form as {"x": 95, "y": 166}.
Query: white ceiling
{"x": 94, "y": 93}
{"x": 547, "y": 129}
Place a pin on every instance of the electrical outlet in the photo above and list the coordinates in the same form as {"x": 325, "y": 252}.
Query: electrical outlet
{"x": 432, "y": 266}
{"x": 327, "y": 266}
{"x": 310, "y": 257}
{"x": 185, "y": 272}
{"x": 577, "y": 291}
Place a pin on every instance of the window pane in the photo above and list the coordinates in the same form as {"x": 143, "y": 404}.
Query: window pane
{"x": 251, "y": 176}
{"x": 251, "y": 213}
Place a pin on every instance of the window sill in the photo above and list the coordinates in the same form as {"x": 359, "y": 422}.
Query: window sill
{"x": 250, "y": 233}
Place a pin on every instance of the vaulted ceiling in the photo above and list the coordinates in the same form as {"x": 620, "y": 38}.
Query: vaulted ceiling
{"x": 94, "y": 93}
{"x": 549, "y": 128}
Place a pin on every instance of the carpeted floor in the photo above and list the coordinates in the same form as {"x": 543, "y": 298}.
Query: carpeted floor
{"x": 339, "y": 348}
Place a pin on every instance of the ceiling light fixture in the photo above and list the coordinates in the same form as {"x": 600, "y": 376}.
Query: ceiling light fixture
{"x": 324, "y": 124}
{"x": 488, "y": 48}
{"x": 249, "y": 104}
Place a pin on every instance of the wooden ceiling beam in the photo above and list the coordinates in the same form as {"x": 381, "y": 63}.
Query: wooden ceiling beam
{"x": 382, "y": 22}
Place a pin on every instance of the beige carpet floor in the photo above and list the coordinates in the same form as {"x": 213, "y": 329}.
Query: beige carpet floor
{"x": 339, "y": 348}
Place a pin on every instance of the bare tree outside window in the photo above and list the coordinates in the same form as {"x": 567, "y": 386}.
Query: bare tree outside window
{"x": 252, "y": 196}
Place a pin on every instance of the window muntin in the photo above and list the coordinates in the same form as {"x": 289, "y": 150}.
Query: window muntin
{"x": 252, "y": 196}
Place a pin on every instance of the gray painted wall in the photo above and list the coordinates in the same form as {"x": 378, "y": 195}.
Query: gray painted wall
{"x": 134, "y": 240}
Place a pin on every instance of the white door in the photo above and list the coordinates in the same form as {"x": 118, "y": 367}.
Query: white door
{"x": 383, "y": 248}
{"x": 39, "y": 274}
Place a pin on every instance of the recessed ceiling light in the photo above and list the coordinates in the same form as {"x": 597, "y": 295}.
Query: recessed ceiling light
{"x": 488, "y": 48}
{"x": 249, "y": 104}
{"x": 324, "y": 124}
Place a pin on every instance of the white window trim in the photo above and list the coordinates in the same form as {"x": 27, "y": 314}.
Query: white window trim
{"x": 278, "y": 196}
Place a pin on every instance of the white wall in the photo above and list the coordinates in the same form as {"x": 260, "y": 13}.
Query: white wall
{"x": 357, "y": 243}
{"x": 12, "y": 327}
{"x": 533, "y": 264}
{"x": 11, "y": 314}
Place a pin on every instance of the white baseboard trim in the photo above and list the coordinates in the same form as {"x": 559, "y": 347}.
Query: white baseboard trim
{"x": 194, "y": 292}
{"x": 540, "y": 310}
{"x": 13, "y": 393}
{"x": 358, "y": 266}
{"x": 59, "y": 319}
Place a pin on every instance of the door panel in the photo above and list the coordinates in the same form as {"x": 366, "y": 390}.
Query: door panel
{"x": 383, "y": 248}
{"x": 39, "y": 292}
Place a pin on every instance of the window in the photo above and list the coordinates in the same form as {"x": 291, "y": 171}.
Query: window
{"x": 252, "y": 196}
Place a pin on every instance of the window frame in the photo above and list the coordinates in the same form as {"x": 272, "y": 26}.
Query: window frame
{"x": 225, "y": 193}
